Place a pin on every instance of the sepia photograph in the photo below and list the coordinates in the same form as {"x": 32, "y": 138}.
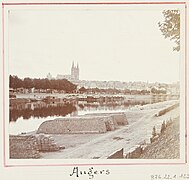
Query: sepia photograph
{"x": 94, "y": 81}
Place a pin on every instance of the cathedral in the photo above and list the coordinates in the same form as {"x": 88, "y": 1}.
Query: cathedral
{"x": 74, "y": 74}
{"x": 75, "y": 71}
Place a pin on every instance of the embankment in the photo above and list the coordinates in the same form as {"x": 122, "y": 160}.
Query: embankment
{"x": 91, "y": 123}
{"x": 166, "y": 146}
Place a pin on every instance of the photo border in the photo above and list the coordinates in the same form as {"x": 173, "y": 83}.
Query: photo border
{"x": 93, "y": 3}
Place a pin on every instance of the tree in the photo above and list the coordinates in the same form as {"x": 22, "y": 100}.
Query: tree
{"x": 170, "y": 27}
{"x": 163, "y": 127}
{"x": 28, "y": 83}
{"x": 154, "y": 91}
{"x": 15, "y": 82}
{"x": 154, "y": 132}
{"x": 37, "y": 83}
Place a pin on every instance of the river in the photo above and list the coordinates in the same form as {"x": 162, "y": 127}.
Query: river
{"x": 27, "y": 117}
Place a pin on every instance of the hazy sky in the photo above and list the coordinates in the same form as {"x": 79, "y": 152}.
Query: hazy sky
{"x": 124, "y": 45}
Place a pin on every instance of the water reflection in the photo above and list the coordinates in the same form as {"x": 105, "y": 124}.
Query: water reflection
{"x": 27, "y": 117}
{"x": 42, "y": 109}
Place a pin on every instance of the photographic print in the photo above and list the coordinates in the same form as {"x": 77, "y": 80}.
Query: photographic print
{"x": 95, "y": 81}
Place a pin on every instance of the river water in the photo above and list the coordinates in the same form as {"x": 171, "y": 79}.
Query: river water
{"x": 27, "y": 117}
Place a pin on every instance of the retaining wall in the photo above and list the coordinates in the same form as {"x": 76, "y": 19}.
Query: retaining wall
{"x": 108, "y": 120}
{"x": 135, "y": 153}
{"x": 117, "y": 155}
{"x": 163, "y": 111}
{"x": 119, "y": 118}
{"x": 78, "y": 125}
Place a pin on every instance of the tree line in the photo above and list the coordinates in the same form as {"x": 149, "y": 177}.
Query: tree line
{"x": 69, "y": 87}
{"x": 29, "y": 83}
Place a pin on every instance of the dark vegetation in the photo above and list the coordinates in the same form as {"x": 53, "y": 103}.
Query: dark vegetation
{"x": 44, "y": 84}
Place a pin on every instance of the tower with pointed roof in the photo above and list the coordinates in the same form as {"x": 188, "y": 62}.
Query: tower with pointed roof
{"x": 75, "y": 71}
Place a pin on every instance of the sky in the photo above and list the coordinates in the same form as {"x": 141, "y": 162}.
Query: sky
{"x": 109, "y": 44}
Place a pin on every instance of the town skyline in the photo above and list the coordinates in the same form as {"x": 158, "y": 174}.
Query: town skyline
{"x": 107, "y": 49}
{"x": 73, "y": 76}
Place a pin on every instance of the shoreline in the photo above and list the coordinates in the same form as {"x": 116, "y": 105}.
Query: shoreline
{"x": 76, "y": 95}
{"x": 102, "y": 145}
{"x": 141, "y": 120}
{"x": 167, "y": 146}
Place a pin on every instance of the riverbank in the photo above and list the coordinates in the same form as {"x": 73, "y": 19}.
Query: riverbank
{"x": 74, "y": 96}
{"x": 94, "y": 146}
{"x": 26, "y": 114}
{"x": 167, "y": 146}
{"x": 81, "y": 145}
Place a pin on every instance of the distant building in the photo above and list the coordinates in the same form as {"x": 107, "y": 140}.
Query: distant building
{"x": 75, "y": 72}
{"x": 60, "y": 76}
{"x": 49, "y": 76}
{"x": 74, "y": 76}
{"x": 133, "y": 86}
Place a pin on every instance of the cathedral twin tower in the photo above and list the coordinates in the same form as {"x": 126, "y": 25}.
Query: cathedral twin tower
{"x": 74, "y": 76}
{"x": 75, "y": 71}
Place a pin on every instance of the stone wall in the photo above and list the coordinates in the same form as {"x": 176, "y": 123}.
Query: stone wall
{"x": 135, "y": 152}
{"x": 108, "y": 120}
{"x": 119, "y": 118}
{"x": 163, "y": 111}
{"x": 75, "y": 125}
{"x": 23, "y": 147}
{"x": 117, "y": 155}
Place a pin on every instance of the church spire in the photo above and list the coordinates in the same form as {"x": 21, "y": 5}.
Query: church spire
{"x": 72, "y": 64}
{"x": 75, "y": 71}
